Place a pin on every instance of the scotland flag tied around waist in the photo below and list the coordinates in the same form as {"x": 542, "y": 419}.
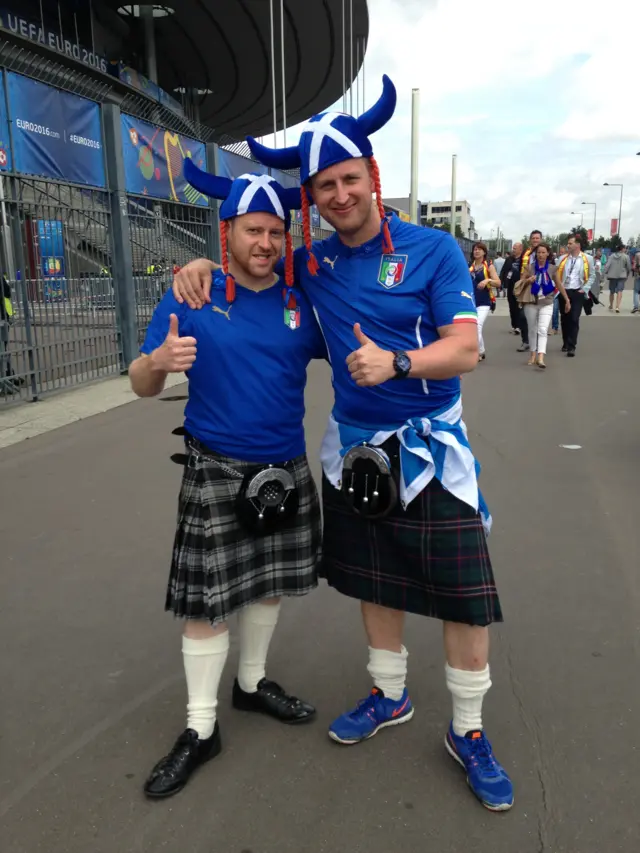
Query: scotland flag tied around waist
{"x": 435, "y": 446}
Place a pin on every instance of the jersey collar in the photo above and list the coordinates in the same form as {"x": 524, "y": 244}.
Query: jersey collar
{"x": 370, "y": 247}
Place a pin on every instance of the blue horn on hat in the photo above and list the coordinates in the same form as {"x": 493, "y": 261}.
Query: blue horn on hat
{"x": 382, "y": 111}
{"x": 276, "y": 158}
{"x": 370, "y": 121}
{"x": 211, "y": 185}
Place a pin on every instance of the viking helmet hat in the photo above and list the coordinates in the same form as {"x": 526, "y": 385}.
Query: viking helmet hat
{"x": 327, "y": 139}
{"x": 250, "y": 193}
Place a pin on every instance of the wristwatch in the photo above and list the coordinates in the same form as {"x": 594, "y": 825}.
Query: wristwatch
{"x": 401, "y": 365}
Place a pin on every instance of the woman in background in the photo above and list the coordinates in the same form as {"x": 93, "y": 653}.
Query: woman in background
{"x": 539, "y": 286}
{"x": 484, "y": 277}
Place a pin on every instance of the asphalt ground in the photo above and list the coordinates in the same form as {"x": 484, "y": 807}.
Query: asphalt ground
{"x": 91, "y": 681}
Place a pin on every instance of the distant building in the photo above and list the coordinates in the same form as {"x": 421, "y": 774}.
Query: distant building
{"x": 399, "y": 206}
{"x": 439, "y": 213}
{"x": 499, "y": 245}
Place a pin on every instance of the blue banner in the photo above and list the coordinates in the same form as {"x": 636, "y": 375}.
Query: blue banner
{"x": 51, "y": 244}
{"x": 232, "y": 165}
{"x": 153, "y": 159}
{"x": 134, "y": 78}
{"x": 5, "y": 146}
{"x": 55, "y": 134}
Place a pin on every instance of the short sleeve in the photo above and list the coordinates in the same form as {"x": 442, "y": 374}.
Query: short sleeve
{"x": 451, "y": 290}
{"x": 158, "y": 328}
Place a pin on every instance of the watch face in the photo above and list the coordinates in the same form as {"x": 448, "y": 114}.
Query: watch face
{"x": 402, "y": 363}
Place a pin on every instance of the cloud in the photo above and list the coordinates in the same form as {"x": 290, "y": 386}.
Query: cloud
{"x": 531, "y": 99}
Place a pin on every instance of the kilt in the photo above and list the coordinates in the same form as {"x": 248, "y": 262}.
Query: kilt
{"x": 430, "y": 559}
{"x": 217, "y": 566}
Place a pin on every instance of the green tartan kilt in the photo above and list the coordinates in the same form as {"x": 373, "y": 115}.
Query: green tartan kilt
{"x": 430, "y": 559}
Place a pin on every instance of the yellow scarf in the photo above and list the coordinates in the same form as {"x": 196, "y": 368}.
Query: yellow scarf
{"x": 585, "y": 266}
{"x": 485, "y": 266}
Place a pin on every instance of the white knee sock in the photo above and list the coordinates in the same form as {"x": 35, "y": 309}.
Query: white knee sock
{"x": 468, "y": 690}
{"x": 204, "y": 661}
{"x": 257, "y": 623}
{"x": 388, "y": 671}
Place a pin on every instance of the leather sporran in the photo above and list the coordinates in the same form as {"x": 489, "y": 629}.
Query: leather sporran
{"x": 268, "y": 498}
{"x": 368, "y": 482}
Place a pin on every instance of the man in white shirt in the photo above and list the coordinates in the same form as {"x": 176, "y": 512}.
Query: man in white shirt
{"x": 576, "y": 271}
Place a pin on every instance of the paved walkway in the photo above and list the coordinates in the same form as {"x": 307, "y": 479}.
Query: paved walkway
{"x": 91, "y": 677}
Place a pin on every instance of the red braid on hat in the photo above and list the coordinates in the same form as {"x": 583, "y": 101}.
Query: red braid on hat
{"x": 231, "y": 285}
{"x": 387, "y": 242}
{"x": 288, "y": 269}
{"x": 312, "y": 261}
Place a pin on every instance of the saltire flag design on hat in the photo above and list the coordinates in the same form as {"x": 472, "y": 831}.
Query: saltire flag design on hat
{"x": 327, "y": 139}
{"x": 250, "y": 193}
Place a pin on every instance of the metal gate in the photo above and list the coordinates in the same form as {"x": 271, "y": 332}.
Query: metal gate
{"x": 164, "y": 236}
{"x": 61, "y": 328}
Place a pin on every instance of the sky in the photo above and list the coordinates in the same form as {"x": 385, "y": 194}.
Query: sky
{"x": 540, "y": 102}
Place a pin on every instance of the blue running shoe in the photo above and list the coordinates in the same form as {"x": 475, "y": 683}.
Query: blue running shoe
{"x": 369, "y": 716}
{"x": 486, "y": 778}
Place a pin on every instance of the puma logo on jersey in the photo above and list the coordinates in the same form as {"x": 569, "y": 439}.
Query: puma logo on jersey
{"x": 331, "y": 263}
{"x": 468, "y": 295}
{"x": 226, "y": 313}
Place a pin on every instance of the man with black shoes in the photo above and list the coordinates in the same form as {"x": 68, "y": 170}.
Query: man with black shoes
{"x": 509, "y": 275}
{"x": 249, "y": 527}
{"x": 576, "y": 272}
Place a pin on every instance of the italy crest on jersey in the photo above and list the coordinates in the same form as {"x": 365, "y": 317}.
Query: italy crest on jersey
{"x": 392, "y": 269}
{"x": 292, "y": 317}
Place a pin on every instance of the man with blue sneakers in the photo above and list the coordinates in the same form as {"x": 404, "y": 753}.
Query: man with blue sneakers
{"x": 404, "y": 521}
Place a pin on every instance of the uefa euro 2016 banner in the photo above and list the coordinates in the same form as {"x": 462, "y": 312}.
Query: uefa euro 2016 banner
{"x": 55, "y": 134}
{"x": 5, "y": 147}
{"x": 153, "y": 161}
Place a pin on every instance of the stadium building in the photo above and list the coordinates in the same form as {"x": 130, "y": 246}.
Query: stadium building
{"x": 100, "y": 104}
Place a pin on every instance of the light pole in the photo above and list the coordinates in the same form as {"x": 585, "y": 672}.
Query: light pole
{"x": 620, "y": 214}
{"x": 581, "y": 215}
{"x": 595, "y": 208}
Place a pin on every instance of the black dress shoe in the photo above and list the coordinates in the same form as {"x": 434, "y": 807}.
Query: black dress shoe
{"x": 571, "y": 353}
{"x": 172, "y": 772}
{"x": 271, "y": 699}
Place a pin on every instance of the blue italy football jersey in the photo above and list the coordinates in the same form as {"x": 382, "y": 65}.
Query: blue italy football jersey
{"x": 246, "y": 387}
{"x": 400, "y": 300}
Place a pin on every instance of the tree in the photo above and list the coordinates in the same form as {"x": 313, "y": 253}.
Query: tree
{"x": 445, "y": 226}
{"x": 583, "y": 233}
{"x": 616, "y": 243}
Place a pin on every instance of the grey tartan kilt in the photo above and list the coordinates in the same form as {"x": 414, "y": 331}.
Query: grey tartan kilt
{"x": 217, "y": 567}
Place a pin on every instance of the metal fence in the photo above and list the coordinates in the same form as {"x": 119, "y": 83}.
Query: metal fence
{"x": 63, "y": 328}
{"x": 164, "y": 235}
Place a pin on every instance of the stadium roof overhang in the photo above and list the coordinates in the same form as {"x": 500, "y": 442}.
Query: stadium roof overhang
{"x": 223, "y": 50}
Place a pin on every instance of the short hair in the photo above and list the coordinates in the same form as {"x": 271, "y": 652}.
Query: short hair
{"x": 544, "y": 246}
{"x": 578, "y": 238}
{"x": 535, "y": 231}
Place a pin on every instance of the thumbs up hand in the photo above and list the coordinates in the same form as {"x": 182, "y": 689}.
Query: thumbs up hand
{"x": 369, "y": 365}
{"x": 176, "y": 354}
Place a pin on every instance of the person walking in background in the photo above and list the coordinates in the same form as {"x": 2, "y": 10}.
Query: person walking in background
{"x": 499, "y": 262}
{"x": 636, "y": 283}
{"x": 555, "y": 317}
{"x": 483, "y": 277}
{"x": 537, "y": 292}
{"x": 508, "y": 277}
{"x": 617, "y": 270}
{"x": 597, "y": 263}
{"x": 576, "y": 272}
